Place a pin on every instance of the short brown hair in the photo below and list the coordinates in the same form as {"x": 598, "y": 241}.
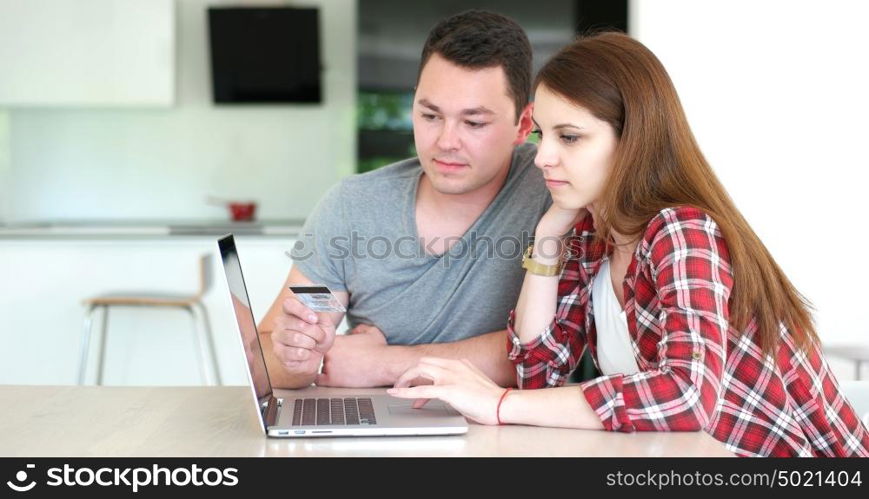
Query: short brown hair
{"x": 480, "y": 39}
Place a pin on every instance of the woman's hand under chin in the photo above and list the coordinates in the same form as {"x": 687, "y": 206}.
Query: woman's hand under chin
{"x": 558, "y": 221}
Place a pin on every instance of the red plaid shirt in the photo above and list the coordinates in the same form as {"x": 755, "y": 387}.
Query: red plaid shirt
{"x": 696, "y": 371}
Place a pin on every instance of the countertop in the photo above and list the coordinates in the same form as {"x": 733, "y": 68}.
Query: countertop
{"x": 148, "y": 228}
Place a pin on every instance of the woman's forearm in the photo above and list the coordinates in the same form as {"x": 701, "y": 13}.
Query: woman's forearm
{"x": 538, "y": 299}
{"x": 564, "y": 407}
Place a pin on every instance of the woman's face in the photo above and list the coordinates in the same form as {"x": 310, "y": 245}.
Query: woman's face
{"x": 575, "y": 151}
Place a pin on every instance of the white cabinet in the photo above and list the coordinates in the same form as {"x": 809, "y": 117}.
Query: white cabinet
{"x": 42, "y": 284}
{"x": 115, "y": 53}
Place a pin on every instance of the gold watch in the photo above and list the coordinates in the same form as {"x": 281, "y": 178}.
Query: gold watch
{"x": 537, "y": 268}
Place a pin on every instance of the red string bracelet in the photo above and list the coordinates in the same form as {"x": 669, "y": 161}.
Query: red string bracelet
{"x": 498, "y": 410}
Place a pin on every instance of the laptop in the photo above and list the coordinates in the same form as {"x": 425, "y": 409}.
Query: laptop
{"x": 319, "y": 412}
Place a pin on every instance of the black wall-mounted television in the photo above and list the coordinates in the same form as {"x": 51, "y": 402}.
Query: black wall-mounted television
{"x": 264, "y": 54}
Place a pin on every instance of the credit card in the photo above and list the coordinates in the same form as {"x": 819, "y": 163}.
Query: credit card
{"x": 318, "y": 298}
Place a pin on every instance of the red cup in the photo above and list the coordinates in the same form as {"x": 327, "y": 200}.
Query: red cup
{"x": 242, "y": 212}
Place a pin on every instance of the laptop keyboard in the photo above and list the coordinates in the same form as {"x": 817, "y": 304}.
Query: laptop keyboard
{"x": 333, "y": 411}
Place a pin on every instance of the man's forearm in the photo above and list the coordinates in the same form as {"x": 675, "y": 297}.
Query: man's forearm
{"x": 488, "y": 352}
{"x": 279, "y": 376}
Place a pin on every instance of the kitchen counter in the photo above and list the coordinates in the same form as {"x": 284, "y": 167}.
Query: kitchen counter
{"x": 126, "y": 229}
{"x": 46, "y": 272}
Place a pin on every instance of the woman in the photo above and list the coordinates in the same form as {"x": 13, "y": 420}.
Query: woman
{"x": 686, "y": 314}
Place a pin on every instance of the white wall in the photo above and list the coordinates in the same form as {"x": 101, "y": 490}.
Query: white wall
{"x": 776, "y": 92}
{"x": 4, "y": 165}
{"x": 161, "y": 164}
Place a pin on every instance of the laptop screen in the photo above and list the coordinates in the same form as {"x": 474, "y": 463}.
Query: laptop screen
{"x": 246, "y": 325}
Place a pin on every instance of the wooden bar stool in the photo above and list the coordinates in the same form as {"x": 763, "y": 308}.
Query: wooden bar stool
{"x": 202, "y": 336}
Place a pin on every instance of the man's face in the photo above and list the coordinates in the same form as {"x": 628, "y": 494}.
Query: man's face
{"x": 464, "y": 126}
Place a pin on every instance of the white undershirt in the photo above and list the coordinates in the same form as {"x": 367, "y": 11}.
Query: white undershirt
{"x": 615, "y": 354}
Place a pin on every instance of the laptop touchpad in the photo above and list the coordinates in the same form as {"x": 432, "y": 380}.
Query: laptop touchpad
{"x": 433, "y": 408}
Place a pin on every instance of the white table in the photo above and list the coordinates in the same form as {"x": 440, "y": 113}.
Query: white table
{"x": 221, "y": 421}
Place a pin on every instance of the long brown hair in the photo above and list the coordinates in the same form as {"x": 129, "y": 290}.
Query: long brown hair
{"x": 658, "y": 165}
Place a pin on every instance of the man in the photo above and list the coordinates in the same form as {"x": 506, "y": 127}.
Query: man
{"x": 424, "y": 253}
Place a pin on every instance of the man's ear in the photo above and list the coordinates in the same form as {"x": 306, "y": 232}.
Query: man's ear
{"x": 525, "y": 124}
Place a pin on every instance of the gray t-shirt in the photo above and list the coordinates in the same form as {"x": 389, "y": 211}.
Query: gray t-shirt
{"x": 362, "y": 238}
